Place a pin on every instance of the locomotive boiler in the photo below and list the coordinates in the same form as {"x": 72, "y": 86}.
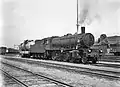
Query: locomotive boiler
{"x": 70, "y": 48}
{"x": 83, "y": 40}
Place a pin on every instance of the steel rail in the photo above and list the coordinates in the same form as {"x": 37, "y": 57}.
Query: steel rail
{"x": 79, "y": 69}
{"x": 86, "y": 70}
{"x": 14, "y": 79}
{"x": 39, "y": 75}
{"x": 107, "y": 65}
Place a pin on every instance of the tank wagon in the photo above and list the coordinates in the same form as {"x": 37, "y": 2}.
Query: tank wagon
{"x": 70, "y": 48}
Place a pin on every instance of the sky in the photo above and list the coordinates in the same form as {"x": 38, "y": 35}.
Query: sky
{"x": 37, "y": 19}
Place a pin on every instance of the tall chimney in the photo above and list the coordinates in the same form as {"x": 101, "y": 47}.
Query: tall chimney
{"x": 82, "y": 30}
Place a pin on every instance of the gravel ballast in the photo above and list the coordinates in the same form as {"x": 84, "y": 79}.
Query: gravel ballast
{"x": 76, "y": 79}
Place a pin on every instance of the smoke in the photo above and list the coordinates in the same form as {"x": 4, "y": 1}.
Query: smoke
{"x": 91, "y": 10}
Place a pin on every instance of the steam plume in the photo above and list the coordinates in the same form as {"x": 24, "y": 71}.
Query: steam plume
{"x": 96, "y": 9}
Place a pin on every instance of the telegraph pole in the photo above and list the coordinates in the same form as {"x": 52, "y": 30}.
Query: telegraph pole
{"x": 77, "y": 18}
{"x": 76, "y": 38}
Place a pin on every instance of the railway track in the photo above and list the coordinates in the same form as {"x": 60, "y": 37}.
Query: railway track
{"x": 111, "y": 59}
{"x": 11, "y": 80}
{"x": 97, "y": 72}
{"x": 107, "y": 65}
{"x": 84, "y": 70}
{"x": 101, "y": 64}
{"x": 36, "y": 79}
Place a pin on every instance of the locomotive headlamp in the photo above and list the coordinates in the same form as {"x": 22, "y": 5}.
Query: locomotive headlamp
{"x": 89, "y": 50}
{"x": 7, "y": 50}
{"x": 100, "y": 51}
{"x": 78, "y": 40}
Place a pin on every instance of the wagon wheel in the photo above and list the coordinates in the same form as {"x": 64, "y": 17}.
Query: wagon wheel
{"x": 65, "y": 57}
{"x": 84, "y": 60}
{"x": 54, "y": 56}
{"x": 72, "y": 60}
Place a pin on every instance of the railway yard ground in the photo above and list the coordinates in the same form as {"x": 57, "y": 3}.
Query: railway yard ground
{"x": 46, "y": 73}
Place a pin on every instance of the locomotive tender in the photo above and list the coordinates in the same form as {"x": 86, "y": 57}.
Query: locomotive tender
{"x": 70, "y": 48}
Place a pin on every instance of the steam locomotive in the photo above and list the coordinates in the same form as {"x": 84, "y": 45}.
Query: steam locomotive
{"x": 70, "y": 48}
{"x": 109, "y": 44}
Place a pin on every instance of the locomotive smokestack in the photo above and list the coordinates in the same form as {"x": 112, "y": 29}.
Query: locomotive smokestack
{"x": 82, "y": 30}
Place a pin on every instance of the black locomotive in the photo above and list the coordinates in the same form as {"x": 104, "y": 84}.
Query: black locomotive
{"x": 70, "y": 48}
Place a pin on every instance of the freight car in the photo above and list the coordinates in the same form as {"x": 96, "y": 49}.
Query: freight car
{"x": 71, "y": 48}
{"x": 3, "y": 50}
